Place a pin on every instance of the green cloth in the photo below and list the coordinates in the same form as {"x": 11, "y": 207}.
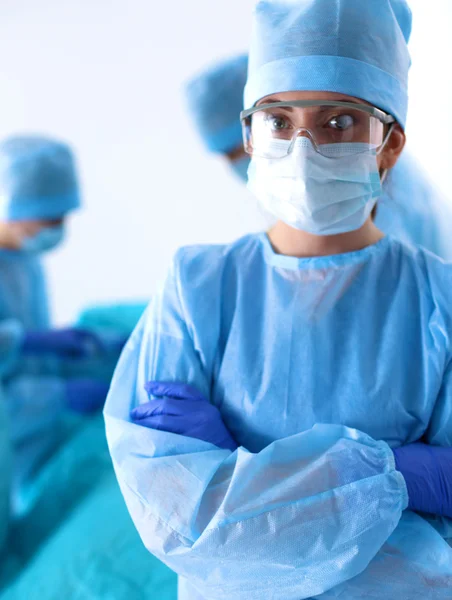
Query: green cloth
{"x": 79, "y": 540}
{"x": 118, "y": 319}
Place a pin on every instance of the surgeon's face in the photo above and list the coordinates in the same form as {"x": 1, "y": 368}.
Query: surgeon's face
{"x": 300, "y": 117}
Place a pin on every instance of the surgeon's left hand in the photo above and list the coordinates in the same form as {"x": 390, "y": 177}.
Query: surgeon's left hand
{"x": 180, "y": 408}
{"x": 428, "y": 475}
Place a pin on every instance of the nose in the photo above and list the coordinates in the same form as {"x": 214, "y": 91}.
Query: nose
{"x": 304, "y": 133}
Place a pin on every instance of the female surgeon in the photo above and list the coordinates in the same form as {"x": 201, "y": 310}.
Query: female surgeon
{"x": 266, "y": 417}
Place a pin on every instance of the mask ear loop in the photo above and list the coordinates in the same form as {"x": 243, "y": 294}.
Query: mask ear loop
{"x": 385, "y": 172}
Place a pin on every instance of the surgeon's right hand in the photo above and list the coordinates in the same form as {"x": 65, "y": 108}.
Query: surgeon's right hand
{"x": 69, "y": 342}
{"x": 180, "y": 408}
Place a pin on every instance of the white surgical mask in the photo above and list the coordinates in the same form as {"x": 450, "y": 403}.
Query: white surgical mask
{"x": 323, "y": 195}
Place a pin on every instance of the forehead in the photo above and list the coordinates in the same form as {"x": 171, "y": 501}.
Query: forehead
{"x": 291, "y": 96}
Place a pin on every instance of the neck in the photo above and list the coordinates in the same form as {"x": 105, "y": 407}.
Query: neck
{"x": 292, "y": 242}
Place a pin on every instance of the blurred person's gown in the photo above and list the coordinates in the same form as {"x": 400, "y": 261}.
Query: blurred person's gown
{"x": 50, "y": 460}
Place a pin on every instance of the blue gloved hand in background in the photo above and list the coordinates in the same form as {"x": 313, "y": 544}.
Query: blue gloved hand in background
{"x": 72, "y": 342}
{"x": 86, "y": 395}
{"x": 428, "y": 475}
{"x": 180, "y": 408}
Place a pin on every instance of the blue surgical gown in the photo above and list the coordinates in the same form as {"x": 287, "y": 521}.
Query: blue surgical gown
{"x": 319, "y": 366}
{"x": 23, "y": 292}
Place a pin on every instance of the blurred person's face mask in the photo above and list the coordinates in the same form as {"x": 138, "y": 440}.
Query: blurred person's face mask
{"x": 321, "y": 175}
{"x": 45, "y": 239}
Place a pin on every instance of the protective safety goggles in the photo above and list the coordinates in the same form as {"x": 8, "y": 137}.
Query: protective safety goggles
{"x": 271, "y": 130}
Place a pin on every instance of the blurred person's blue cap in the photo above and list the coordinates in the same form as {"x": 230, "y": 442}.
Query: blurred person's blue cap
{"x": 215, "y": 100}
{"x": 38, "y": 179}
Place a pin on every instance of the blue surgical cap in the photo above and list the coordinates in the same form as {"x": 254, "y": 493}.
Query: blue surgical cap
{"x": 215, "y": 100}
{"x": 38, "y": 179}
{"x": 353, "y": 47}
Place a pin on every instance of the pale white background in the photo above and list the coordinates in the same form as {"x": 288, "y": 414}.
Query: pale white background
{"x": 107, "y": 76}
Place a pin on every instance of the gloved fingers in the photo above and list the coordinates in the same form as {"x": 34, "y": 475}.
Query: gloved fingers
{"x": 162, "y": 423}
{"x": 162, "y": 406}
{"x": 144, "y": 411}
{"x": 214, "y": 431}
{"x": 176, "y": 390}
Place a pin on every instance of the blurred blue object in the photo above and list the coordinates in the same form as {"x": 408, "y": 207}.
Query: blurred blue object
{"x": 5, "y": 474}
{"x": 85, "y": 396}
{"x": 413, "y": 210}
{"x": 427, "y": 471}
{"x": 38, "y": 181}
{"x": 181, "y": 409}
{"x": 46, "y": 392}
{"x": 332, "y": 488}
{"x": 61, "y": 485}
{"x": 80, "y": 536}
{"x": 11, "y": 345}
{"x": 69, "y": 342}
{"x": 346, "y": 46}
{"x": 36, "y": 407}
{"x": 115, "y": 319}
{"x": 23, "y": 292}
{"x": 215, "y": 100}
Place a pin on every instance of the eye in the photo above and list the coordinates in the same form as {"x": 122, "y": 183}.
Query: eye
{"x": 276, "y": 122}
{"x": 342, "y": 122}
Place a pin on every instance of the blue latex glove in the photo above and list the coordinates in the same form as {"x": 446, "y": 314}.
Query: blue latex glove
{"x": 428, "y": 475}
{"x": 180, "y": 408}
{"x": 72, "y": 342}
{"x": 86, "y": 395}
